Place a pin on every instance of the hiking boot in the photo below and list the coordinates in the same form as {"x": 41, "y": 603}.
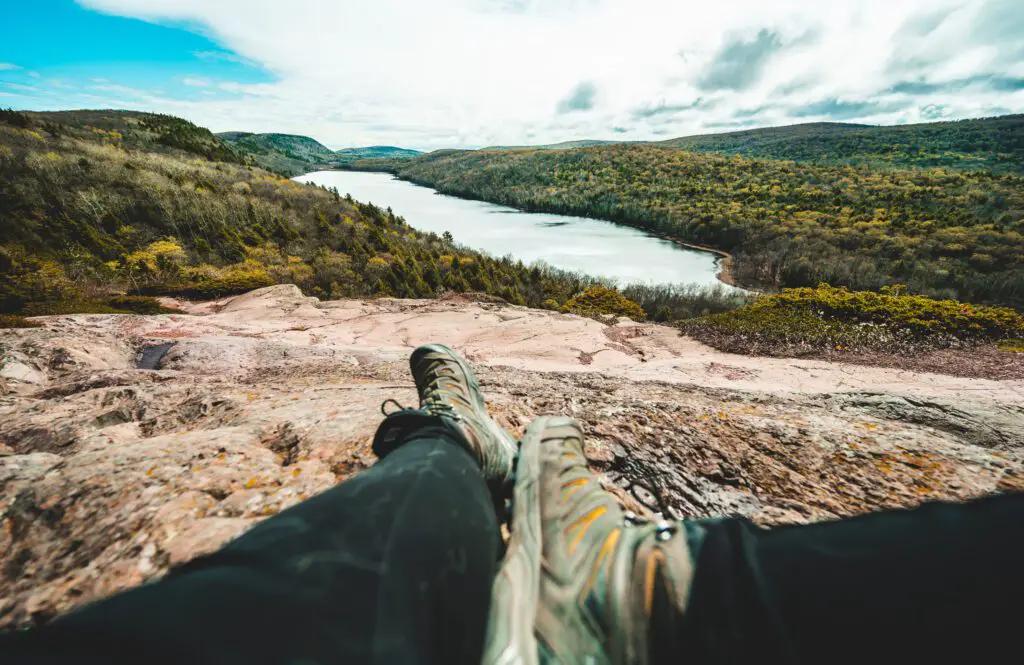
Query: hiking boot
{"x": 449, "y": 390}
{"x": 584, "y": 581}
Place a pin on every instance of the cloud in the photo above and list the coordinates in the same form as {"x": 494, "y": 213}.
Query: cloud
{"x": 838, "y": 109}
{"x": 983, "y": 82}
{"x": 922, "y": 25}
{"x": 999, "y": 21}
{"x": 740, "y": 62}
{"x": 467, "y": 73}
{"x": 581, "y": 99}
{"x": 20, "y": 87}
{"x": 661, "y": 108}
{"x": 935, "y": 111}
{"x": 196, "y": 82}
{"x": 7, "y": 66}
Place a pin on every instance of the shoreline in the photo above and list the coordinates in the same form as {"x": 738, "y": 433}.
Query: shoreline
{"x": 724, "y": 259}
{"x": 723, "y": 262}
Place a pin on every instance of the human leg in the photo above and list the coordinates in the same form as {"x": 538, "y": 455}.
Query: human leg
{"x": 936, "y": 584}
{"x": 932, "y": 585}
{"x": 392, "y": 566}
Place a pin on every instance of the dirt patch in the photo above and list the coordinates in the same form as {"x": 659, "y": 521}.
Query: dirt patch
{"x": 979, "y": 362}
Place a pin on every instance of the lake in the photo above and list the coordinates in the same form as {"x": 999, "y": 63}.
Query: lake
{"x": 590, "y": 246}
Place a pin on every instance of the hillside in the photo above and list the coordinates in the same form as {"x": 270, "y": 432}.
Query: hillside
{"x": 565, "y": 145}
{"x": 987, "y": 144}
{"x": 993, "y": 144}
{"x": 286, "y": 154}
{"x": 376, "y": 152}
{"x": 945, "y": 233}
{"x": 292, "y": 155}
{"x": 129, "y": 444}
{"x": 132, "y": 130}
{"x": 90, "y": 213}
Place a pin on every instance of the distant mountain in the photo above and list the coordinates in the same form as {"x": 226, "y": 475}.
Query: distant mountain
{"x": 378, "y": 152}
{"x": 565, "y": 145}
{"x": 995, "y": 144}
{"x": 991, "y": 144}
{"x": 284, "y": 153}
{"x": 294, "y": 155}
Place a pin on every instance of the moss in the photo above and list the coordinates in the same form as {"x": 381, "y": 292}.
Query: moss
{"x": 1012, "y": 345}
{"x": 11, "y": 321}
{"x": 66, "y": 307}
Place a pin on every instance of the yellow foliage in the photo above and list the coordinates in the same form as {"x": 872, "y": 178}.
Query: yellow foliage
{"x": 164, "y": 253}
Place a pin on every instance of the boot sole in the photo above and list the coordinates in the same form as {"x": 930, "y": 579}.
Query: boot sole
{"x": 516, "y": 593}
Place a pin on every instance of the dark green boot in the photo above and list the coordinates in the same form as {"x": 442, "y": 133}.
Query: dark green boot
{"x": 583, "y": 580}
{"x": 448, "y": 390}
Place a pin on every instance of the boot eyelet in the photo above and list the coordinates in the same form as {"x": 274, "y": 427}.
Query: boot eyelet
{"x": 665, "y": 531}
{"x": 632, "y": 519}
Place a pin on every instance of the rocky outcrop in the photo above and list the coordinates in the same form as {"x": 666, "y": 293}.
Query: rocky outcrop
{"x": 131, "y": 444}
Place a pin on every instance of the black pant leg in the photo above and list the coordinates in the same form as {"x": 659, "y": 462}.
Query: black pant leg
{"x": 939, "y": 584}
{"x": 392, "y": 566}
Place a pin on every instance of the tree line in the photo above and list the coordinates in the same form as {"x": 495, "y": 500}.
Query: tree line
{"x": 942, "y": 232}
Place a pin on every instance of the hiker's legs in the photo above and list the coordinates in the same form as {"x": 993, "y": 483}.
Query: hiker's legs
{"x": 392, "y": 566}
{"x": 938, "y": 584}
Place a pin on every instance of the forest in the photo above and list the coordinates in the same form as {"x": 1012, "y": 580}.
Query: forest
{"x": 942, "y": 232}
{"x": 99, "y": 213}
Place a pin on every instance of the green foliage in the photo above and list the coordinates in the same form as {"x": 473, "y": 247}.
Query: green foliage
{"x": 599, "y": 300}
{"x": 944, "y": 233}
{"x": 828, "y": 319}
{"x": 15, "y": 119}
{"x": 13, "y": 321}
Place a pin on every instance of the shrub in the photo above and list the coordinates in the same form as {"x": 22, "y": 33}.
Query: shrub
{"x": 919, "y": 315}
{"x": 601, "y": 300}
{"x": 828, "y": 319}
{"x": 139, "y": 305}
{"x": 666, "y": 302}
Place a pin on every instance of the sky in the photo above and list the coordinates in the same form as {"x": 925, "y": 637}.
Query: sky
{"x": 431, "y": 74}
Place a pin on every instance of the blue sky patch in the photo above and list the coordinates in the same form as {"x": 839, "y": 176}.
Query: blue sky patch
{"x": 55, "y": 50}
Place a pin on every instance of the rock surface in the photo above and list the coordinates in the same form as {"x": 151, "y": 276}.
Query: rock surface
{"x": 130, "y": 444}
